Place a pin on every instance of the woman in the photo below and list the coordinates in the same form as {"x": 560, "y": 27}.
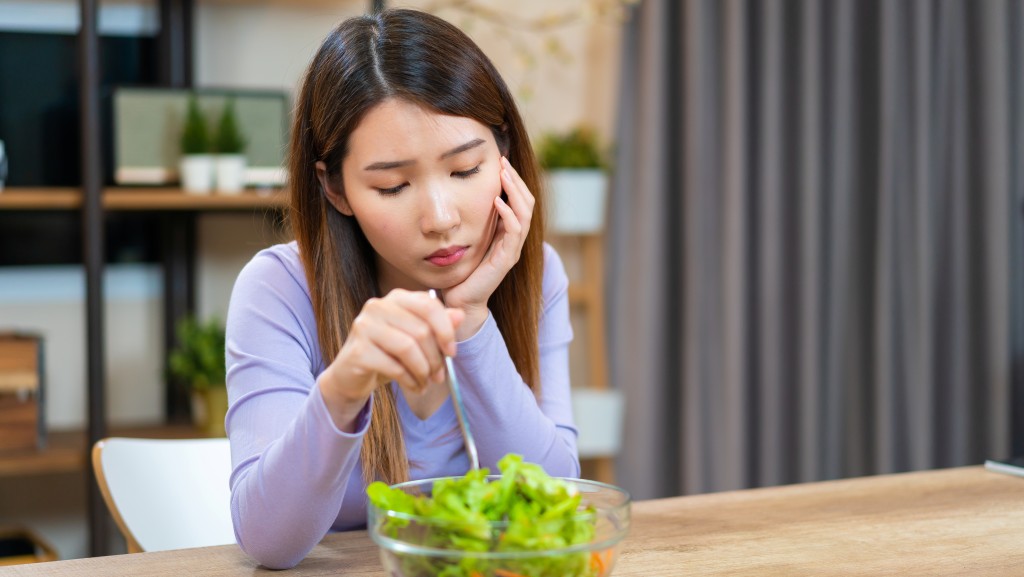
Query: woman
{"x": 410, "y": 170}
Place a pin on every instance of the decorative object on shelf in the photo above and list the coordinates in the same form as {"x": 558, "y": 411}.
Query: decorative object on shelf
{"x": 21, "y": 392}
{"x": 198, "y": 360}
{"x": 196, "y": 168}
{"x": 577, "y": 181}
{"x": 230, "y": 146}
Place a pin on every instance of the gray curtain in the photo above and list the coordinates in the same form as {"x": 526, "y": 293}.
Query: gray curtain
{"x": 814, "y": 242}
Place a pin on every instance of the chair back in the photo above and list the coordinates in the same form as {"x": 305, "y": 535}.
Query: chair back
{"x": 166, "y": 493}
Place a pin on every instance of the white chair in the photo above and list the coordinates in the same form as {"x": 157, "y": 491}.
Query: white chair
{"x": 166, "y": 493}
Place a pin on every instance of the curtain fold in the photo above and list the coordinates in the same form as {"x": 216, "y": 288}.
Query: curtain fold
{"x": 813, "y": 268}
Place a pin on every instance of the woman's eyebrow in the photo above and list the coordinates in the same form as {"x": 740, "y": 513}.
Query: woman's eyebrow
{"x": 462, "y": 148}
{"x": 388, "y": 165}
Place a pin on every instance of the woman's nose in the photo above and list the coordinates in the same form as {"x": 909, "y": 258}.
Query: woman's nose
{"x": 441, "y": 214}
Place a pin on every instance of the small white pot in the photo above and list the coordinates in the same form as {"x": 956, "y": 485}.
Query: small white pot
{"x": 197, "y": 173}
{"x": 576, "y": 204}
{"x": 230, "y": 173}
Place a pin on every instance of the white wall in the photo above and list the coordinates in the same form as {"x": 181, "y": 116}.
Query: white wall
{"x": 558, "y": 92}
{"x": 262, "y": 44}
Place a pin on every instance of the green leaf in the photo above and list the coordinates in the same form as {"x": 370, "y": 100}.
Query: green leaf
{"x": 194, "y": 135}
{"x": 229, "y": 139}
{"x": 198, "y": 356}
{"x": 577, "y": 148}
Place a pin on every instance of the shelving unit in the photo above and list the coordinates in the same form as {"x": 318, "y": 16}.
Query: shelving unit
{"x": 586, "y": 295}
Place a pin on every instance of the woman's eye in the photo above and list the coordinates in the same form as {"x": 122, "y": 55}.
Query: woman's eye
{"x": 392, "y": 190}
{"x": 467, "y": 173}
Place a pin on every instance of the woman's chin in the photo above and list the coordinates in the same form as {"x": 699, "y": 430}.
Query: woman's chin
{"x": 445, "y": 280}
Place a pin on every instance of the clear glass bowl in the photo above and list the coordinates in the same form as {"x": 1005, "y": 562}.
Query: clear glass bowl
{"x": 412, "y": 546}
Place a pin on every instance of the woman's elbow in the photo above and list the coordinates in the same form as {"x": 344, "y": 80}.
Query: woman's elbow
{"x": 563, "y": 459}
{"x": 268, "y": 554}
{"x": 260, "y": 541}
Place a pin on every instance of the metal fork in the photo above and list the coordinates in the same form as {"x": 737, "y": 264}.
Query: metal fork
{"x": 460, "y": 409}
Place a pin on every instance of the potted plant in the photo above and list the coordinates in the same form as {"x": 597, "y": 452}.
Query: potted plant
{"x": 577, "y": 181}
{"x": 198, "y": 360}
{"x": 230, "y": 144}
{"x": 196, "y": 165}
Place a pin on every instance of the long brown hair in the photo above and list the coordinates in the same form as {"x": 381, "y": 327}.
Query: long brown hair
{"x": 422, "y": 59}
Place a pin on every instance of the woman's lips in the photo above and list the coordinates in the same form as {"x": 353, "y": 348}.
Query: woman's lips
{"x": 447, "y": 256}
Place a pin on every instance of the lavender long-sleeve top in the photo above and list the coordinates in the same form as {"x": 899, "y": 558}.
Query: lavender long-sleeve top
{"x": 296, "y": 476}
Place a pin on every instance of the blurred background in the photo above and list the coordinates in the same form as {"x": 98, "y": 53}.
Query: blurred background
{"x": 805, "y": 263}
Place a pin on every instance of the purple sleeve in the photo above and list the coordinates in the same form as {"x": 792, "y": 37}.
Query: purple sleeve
{"x": 290, "y": 464}
{"x": 504, "y": 414}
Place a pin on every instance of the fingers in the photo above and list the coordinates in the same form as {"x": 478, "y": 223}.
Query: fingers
{"x": 371, "y": 359}
{"x": 411, "y": 329}
{"x": 520, "y": 198}
{"x": 515, "y": 215}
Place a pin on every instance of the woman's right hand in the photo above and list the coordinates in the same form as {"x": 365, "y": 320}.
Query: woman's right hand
{"x": 401, "y": 337}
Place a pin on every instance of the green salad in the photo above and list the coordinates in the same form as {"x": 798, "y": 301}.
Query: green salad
{"x": 524, "y": 510}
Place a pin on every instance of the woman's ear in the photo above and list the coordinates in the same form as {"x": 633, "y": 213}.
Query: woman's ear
{"x": 334, "y": 196}
{"x": 501, "y": 138}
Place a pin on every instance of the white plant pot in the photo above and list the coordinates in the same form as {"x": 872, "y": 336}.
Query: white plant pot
{"x": 230, "y": 173}
{"x": 576, "y": 204}
{"x": 197, "y": 173}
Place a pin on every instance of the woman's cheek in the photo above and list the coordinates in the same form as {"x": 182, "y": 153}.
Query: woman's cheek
{"x": 495, "y": 187}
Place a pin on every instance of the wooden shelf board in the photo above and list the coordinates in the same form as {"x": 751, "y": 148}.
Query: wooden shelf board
{"x": 124, "y": 198}
{"x": 40, "y": 198}
{"x": 66, "y": 451}
{"x": 175, "y": 199}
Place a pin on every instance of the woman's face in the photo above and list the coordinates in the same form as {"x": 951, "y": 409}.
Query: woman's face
{"x": 422, "y": 185}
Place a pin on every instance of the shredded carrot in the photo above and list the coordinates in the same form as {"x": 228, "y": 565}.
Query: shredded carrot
{"x": 596, "y": 563}
{"x": 505, "y": 573}
{"x": 475, "y": 574}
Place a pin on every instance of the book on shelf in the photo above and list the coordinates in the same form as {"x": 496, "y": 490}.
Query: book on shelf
{"x": 1011, "y": 466}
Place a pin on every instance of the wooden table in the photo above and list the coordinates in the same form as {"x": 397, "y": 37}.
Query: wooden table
{"x": 964, "y": 521}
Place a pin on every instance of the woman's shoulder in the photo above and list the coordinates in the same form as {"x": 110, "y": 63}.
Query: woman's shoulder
{"x": 276, "y": 265}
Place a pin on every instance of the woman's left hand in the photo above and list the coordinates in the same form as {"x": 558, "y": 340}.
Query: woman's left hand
{"x": 513, "y": 224}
